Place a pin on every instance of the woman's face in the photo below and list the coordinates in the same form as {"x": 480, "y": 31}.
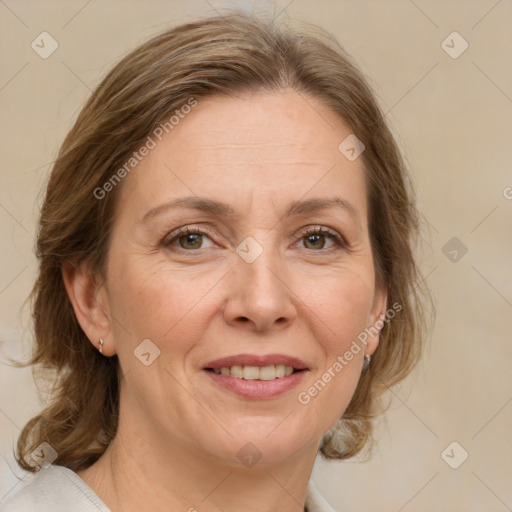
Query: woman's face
{"x": 248, "y": 282}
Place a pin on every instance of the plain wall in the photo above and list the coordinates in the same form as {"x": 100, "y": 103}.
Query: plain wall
{"x": 453, "y": 119}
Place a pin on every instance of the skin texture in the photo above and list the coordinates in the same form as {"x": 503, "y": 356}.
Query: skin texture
{"x": 179, "y": 432}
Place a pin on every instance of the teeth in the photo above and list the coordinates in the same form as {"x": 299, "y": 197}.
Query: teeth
{"x": 236, "y": 371}
{"x": 251, "y": 372}
{"x": 255, "y": 372}
{"x": 281, "y": 370}
{"x": 267, "y": 373}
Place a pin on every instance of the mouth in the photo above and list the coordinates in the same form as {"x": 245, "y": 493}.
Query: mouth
{"x": 257, "y": 377}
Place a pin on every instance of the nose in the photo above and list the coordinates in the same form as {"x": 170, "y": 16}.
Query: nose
{"x": 259, "y": 298}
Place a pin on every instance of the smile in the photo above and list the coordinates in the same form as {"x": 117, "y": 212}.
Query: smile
{"x": 256, "y": 383}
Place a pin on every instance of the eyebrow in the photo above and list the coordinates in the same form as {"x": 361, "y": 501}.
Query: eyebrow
{"x": 214, "y": 207}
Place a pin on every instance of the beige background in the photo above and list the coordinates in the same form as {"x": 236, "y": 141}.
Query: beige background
{"x": 453, "y": 120}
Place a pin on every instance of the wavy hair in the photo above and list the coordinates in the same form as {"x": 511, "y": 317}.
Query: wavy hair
{"x": 223, "y": 55}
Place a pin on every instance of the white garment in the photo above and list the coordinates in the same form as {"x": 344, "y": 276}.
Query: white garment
{"x": 58, "y": 489}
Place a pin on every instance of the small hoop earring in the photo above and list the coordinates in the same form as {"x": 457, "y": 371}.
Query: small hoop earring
{"x": 366, "y": 362}
{"x": 101, "y": 346}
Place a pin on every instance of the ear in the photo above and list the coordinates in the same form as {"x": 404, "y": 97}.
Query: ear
{"x": 376, "y": 319}
{"x": 89, "y": 299}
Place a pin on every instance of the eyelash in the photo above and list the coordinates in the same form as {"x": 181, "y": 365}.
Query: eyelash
{"x": 315, "y": 230}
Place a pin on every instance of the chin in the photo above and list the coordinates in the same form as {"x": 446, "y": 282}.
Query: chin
{"x": 263, "y": 442}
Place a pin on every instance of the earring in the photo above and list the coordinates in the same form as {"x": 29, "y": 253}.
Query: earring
{"x": 366, "y": 362}
{"x": 101, "y": 346}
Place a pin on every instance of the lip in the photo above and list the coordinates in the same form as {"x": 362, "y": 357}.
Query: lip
{"x": 257, "y": 360}
{"x": 257, "y": 389}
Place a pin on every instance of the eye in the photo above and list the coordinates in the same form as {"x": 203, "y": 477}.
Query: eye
{"x": 187, "y": 238}
{"x": 190, "y": 239}
{"x": 315, "y": 238}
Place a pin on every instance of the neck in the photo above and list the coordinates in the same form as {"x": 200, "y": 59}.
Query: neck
{"x": 139, "y": 471}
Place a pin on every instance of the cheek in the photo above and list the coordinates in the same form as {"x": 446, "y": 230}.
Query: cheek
{"x": 156, "y": 301}
{"x": 341, "y": 304}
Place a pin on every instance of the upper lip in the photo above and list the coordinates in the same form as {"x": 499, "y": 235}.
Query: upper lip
{"x": 257, "y": 360}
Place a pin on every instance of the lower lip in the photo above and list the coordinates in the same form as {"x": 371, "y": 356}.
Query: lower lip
{"x": 257, "y": 389}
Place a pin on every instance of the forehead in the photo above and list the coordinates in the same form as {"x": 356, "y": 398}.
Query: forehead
{"x": 263, "y": 146}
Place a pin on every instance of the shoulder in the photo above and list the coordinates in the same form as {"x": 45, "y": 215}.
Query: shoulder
{"x": 315, "y": 502}
{"x": 54, "y": 489}
{"x": 58, "y": 489}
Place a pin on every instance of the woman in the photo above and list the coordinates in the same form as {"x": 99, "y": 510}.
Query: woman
{"x": 226, "y": 283}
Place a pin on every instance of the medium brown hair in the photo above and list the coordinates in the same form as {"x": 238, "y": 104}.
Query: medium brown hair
{"x": 224, "y": 55}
